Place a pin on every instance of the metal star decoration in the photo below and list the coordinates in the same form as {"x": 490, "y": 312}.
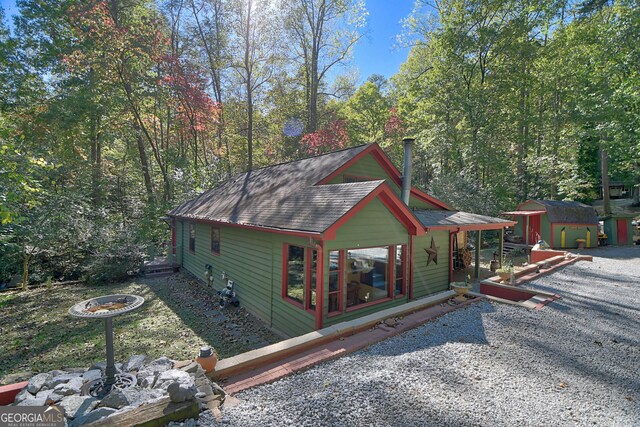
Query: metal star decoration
{"x": 432, "y": 253}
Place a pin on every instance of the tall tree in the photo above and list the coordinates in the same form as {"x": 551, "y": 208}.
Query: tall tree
{"x": 255, "y": 57}
{"x": 324, "y": 33}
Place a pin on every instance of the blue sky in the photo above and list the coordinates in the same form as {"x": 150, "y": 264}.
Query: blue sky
{"x": 375, "y": 54}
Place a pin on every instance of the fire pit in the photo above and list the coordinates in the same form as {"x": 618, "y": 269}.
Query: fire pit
{"x": 105, "y": 308}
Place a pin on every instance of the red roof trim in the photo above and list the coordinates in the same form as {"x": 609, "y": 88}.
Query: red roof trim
{"x": 252, "y": 227}
{"x": 391, "y": 202}
{"x": 421, "y": 195}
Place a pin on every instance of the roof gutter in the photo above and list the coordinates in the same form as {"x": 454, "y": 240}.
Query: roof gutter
{"x": 288, "y": 232}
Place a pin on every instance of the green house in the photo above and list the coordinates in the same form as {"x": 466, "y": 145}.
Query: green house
{"x": 322, "y": 240}
{"x": 561, "y": 224}
{"x": 618, "y": 228}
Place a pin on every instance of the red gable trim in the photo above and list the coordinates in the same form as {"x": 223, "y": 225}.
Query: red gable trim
{"x": 253, "y": 227}
{"x": 387, "y": 165}
{"x": 391, "y": 202}
{"x": 421, "y": 195}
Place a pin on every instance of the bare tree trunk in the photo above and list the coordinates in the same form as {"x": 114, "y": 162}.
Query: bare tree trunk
{"x": 605, "y": 182}
{"x": 144, "y": 164}
{"x": 249, "y": 88}
{"x": 635, "y": 191}
{"x": 26, "y": 259}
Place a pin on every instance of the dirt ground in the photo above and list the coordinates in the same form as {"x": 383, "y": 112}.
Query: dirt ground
{"x": 179, "y": 315}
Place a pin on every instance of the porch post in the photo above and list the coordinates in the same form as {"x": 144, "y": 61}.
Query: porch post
{"x": 478, "y": 242}
{"x": 451, "y": 236}
{"x": 501, "y": 246}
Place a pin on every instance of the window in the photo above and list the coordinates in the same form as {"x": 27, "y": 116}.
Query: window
{"x": 192, "y": 237}
{"x": 336, "y": 277}
{"x": 300, "y": 275}
{"x": 368, "y": 275}
{"x": 215, "y": 240}
{"x": 400, "y": 270}
{"x": 313, "y": 267}
{"x": 295, "y": 273}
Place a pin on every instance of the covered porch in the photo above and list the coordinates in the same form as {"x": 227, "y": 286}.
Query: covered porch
{"x": 527, "y": 233}
{"x": 466, "y": 234}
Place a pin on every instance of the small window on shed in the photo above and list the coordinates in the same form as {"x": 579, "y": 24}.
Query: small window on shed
{"x": 192, "y": 237}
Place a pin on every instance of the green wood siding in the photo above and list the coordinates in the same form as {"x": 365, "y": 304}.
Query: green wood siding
{"x": 434, "y": 277}
{"x": 374, "y": 225}
{"x": 287, "y": 318}
{"x": 253, "y": 260}
{"x": 244, "y": 255}
{"x": 518, "y": 229}
{"x": 573, "y": 232}
{"x": 368, "y": 167}
{"x": 545, "y": 229}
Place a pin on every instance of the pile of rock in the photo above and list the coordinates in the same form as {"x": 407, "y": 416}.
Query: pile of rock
{"x": 181, "y": 381}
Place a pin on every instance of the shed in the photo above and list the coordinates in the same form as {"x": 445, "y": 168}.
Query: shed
{"x": 618, "y": 228}
{"x": 559, "y": 223}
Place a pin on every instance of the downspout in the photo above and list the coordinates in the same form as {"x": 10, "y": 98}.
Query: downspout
{"x": 406, "y": 174}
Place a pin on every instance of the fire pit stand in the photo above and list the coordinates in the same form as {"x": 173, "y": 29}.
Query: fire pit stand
{"x": 106, "y": 308}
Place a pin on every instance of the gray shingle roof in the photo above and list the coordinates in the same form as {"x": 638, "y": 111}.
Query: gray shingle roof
{"x": 437, "y": 218}
{"x": 281, "y": 196}
{"x": 568, "y": 212}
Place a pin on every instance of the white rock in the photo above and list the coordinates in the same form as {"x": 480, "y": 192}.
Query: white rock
{"x": 91, "y": 375}
{"x": 78, "y": 406}
{"x": 37, "y": 381}
{"x": 134, "y": 363}
{"x": 24, "y": 394}
{"x": 181, "y": 392}
{"x": 62, "y": 379}
{"x": 116, "y": 400}
{"x": 171, "y": 376}
{"x": 33, "y": 401}
{"x": 72, "y": 387}
{"x": 92, "y": 416}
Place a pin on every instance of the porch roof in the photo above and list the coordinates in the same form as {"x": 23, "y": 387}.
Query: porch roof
{"x": 459, "y": 220}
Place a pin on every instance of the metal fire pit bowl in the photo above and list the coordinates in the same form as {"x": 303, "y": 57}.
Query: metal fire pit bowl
{"x": 105, "y": 308}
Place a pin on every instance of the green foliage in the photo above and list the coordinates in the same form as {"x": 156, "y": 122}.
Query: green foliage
{"x": 116, "y": 257}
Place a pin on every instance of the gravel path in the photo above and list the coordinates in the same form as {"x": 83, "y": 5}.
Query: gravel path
{"x": 575, "y": 362}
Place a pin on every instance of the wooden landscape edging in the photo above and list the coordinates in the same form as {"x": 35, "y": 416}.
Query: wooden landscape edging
{"x": 156, "y": 414}
{"x": 253, "y": 359}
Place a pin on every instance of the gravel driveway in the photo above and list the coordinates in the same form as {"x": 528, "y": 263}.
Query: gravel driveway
{"x": 575, "y": 362}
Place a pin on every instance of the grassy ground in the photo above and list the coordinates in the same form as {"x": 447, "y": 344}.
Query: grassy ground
{"x": 179, "y": 315}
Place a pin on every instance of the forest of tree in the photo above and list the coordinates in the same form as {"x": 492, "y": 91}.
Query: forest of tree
{"x": 115, "y": 111}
